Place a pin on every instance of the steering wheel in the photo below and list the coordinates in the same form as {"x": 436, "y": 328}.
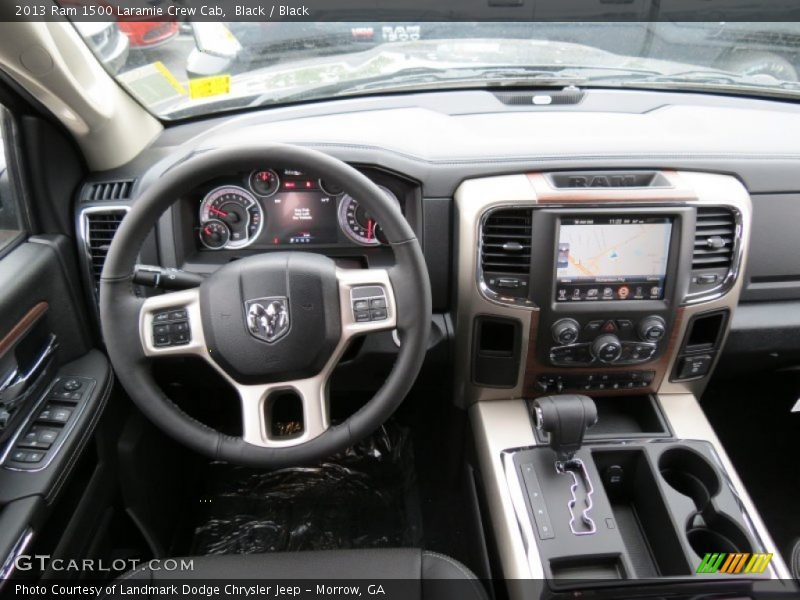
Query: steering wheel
{"x": 269, "y": 323}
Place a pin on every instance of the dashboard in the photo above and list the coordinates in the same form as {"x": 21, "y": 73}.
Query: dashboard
{"x": 586, "y": 177}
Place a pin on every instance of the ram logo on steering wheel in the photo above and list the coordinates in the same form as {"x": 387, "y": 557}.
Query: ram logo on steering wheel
{"x": 268, "y": 318}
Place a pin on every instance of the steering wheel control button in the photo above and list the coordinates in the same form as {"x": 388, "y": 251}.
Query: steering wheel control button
{"x": 369, "y": 303}
{"x": 171, "y": 328}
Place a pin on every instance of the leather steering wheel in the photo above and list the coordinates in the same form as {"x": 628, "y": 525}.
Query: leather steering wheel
{"x": 268, "y": 323}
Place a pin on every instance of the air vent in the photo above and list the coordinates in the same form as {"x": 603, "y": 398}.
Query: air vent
{"x": 506, "y": 242}
{"x": 100, "y": 227}
{"x": 541, "y": 98}
{"x": 714, "y": 238}
{"x": 109, "y": 190}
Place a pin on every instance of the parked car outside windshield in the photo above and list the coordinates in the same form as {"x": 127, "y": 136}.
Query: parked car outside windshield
{"x": 204, "y": 68}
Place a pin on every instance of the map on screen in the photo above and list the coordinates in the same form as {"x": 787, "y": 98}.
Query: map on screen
{"x": 617, "y": 250}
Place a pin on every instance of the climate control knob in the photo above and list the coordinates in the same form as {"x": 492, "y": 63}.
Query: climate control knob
{"x": 565, "y": 331}
{"x": 607, "y": 348}
{"x": 652, "y": 329}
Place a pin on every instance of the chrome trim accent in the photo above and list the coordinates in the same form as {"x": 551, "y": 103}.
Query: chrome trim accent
{"x": 19, "y": 548}
{"x": 18, "y": 380}
{"x": 737, "y": 255}
{"x": 564, "y": 467}
{"x": 84, "y": 248}
{"x": 499, "y": 426}
{"x": 484, "y": 288}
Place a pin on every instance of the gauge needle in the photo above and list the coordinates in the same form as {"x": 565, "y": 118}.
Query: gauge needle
{"x": 369, "y": 228}
{"x": 207, "y": 230}
{"x": 218, "y": 212}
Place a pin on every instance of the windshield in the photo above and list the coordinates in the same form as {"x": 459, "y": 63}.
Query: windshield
{"x": 179, "y": 70}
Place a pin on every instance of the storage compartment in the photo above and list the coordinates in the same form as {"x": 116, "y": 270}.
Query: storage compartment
{"x": 640, "y": 512}
{"x": 587, "y": 568}
{"x": 496, "y": 347}
{"x": 620, "y": 417}
{"x": 628, "y": 416}
{"x": 704, "y": 332}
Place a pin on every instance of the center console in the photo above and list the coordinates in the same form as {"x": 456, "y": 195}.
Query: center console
{"x": 618, "y": 294}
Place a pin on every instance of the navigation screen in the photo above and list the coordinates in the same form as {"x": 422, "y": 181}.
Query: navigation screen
{"x": 301, "y": 218}
{"x": 612, "y": 258}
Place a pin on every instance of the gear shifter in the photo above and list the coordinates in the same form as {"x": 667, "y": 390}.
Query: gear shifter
{"x": 566, "y": 418}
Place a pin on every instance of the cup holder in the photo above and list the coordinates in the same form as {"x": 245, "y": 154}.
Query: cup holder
{"x": 707, "y": 531}
{"x": 718, "y": 533}
{"x": 689, "y": 474}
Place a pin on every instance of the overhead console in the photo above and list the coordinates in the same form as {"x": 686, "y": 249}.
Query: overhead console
{"x": 605, "y": 274}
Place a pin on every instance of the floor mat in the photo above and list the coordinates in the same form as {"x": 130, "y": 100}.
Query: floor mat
{"x": 753, "y": 420}
{"x": 363, "y": 498}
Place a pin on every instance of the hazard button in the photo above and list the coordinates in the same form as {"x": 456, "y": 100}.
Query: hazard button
{"x": 609, "y": 327}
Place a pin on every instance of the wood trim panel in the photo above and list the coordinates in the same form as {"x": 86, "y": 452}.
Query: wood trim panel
{"x": 547, "y": 194}
{"x": 24, "y": 325}
{"x": 534, "y": 367}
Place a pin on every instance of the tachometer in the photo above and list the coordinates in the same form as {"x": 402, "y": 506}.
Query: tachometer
{"x": 238, "y": 209}
{"x": 358, "y": 225}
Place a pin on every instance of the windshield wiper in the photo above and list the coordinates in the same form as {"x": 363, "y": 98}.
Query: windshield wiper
{"x": 430, "y": 78}
{"x": 711, "y": 79}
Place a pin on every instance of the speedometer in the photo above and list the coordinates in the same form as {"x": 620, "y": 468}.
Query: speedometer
{"x": 358, "y": 225}
{"x": 238, "y": 209}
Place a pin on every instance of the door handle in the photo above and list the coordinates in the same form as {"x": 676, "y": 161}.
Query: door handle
{"x": 16, "y": 384}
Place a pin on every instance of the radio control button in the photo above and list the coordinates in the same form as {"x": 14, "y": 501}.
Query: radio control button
{"x": 607, "y": 348}
{"x": 652, "y": 329}
{"x": 566, "y": 331}
{"x": 593, "y": 326}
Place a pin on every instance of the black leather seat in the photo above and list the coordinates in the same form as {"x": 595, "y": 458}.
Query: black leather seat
{"x": 425, "y": 575}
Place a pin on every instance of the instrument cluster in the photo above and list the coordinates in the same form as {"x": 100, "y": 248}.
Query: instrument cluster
{"x": 270, "y": 207}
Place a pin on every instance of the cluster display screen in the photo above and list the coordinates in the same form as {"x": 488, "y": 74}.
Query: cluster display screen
{"x": 612, "y": 258}
{"x": 303, "y": 217}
